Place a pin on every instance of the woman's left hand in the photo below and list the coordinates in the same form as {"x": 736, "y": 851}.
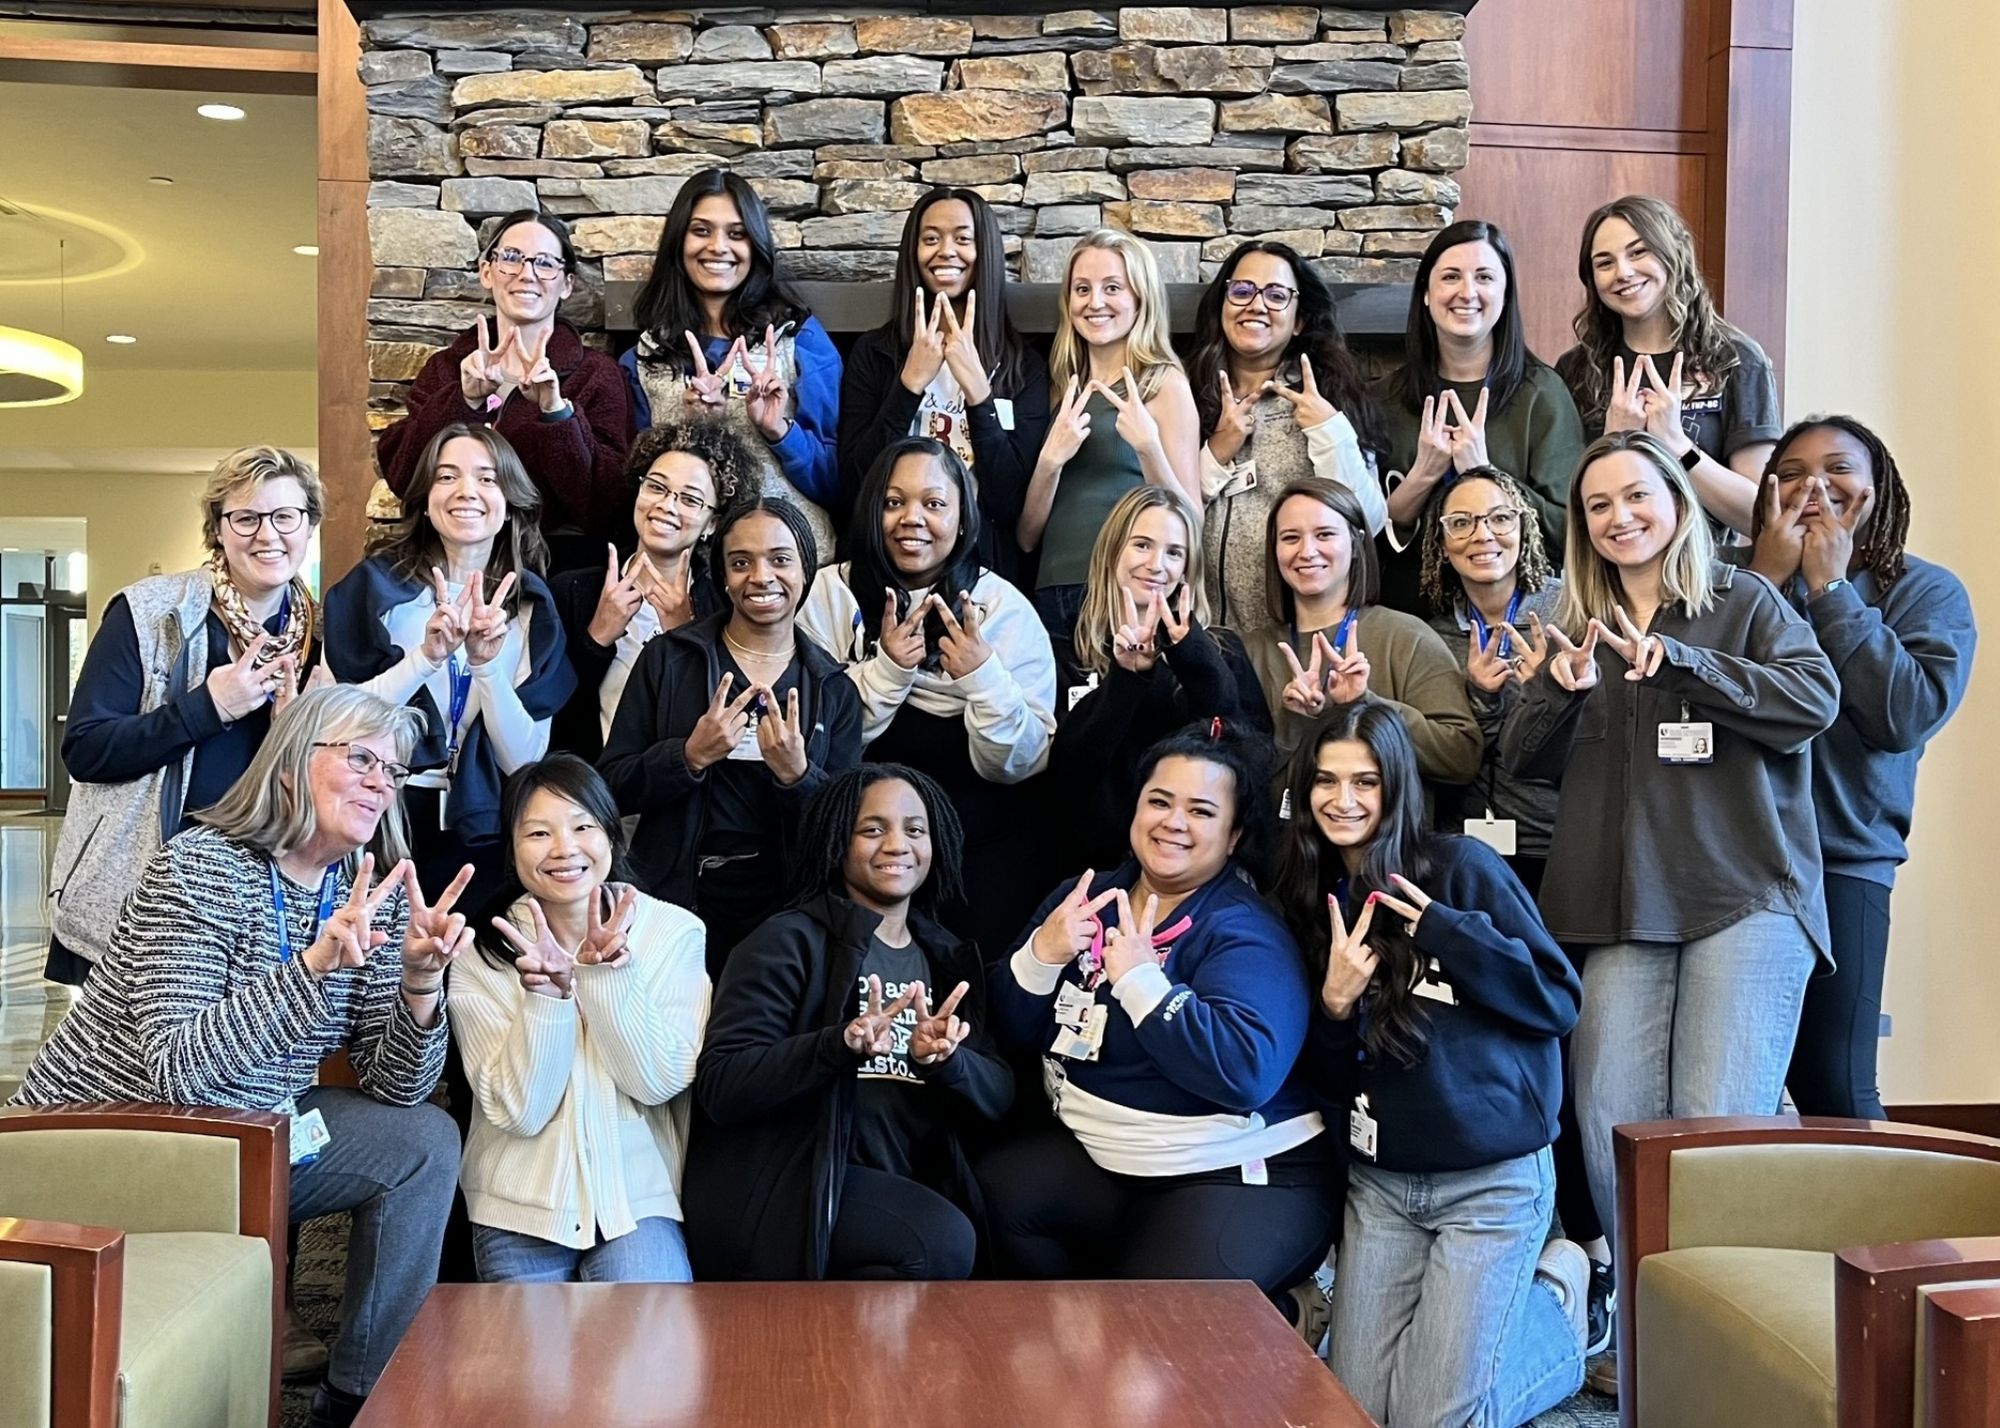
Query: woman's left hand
{"x": 781, "y": 738}
{"x": 1828, "y": 549}
{"x": 1468, "y": 431}
{"x": 604, "y": 937}
{"x": 1632, "y": 644}
{"x": 1309, "y": 408}
{"x": 769, "y": 399}
{"x": 961, "y": 350}
{"x": 1132, "y": 643}
{"x": 435, "y": 934}
{"x": 1347, "y": 675}
{"x": 963, "y": 649}
{"x": 1130, "y": 943}
{"x": 485, "y": 620}
{"x": 1663, "y": 406}
{"x": 1135, "y": 423}
{"x": 1410, "y": 907}
{"x": 937, "y": 1034}
{"x": 541, "y": 381}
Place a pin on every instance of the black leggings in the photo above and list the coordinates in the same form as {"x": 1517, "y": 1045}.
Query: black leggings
{"x": 1833, "y": 1061}
{"x": 1056, "y": 1214}
{"x": 892, "y": 1228}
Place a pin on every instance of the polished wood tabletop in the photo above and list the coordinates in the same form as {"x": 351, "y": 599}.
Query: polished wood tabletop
{"x": 1132, "y": 1354}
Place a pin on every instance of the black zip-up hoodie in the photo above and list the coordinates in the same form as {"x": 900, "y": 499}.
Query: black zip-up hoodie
{"x": 645, "y": 763}
{"x": 774, "y": 1090}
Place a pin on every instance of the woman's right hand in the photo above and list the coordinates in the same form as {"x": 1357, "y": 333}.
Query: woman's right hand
{"x": 1071, "y": 925}
{"x": 1067, "y": 429}
{"x": 1135, "y": 643}
{"x": 926, "y": 356}
{"x": 1235, "y": 421}
{"x": 903, "y": 640}
{"x": 1780, "y": 546}
{"x": 1573, "y": 666}
{"x": 544, "y": 966}
{"x": 617, "y": 603}
{"x": 346, "y": 938}
{"x": 480, "y": 374}
{"x": 444, "y": 632}
{"x": 873, "y": 1033}
{"x": 720, "y": 727}
{"x": 1350, "y": 961}
{"x": 1433, "y": 458}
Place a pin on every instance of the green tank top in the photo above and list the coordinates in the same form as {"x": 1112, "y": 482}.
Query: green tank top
{"x": 1104, "y": 468}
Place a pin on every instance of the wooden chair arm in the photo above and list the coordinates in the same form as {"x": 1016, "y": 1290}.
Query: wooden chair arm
{"x": 1875, "y": 1320}
{"x": 263, "y": 1168}
{"x": 1962, "y": 1328}
{"x": 87, "y": 1264}
{"x": 1643, "y": 1152}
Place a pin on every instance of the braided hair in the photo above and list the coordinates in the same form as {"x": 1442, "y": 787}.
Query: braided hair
{"x": 1881, "y": 547}
{"x": 1438, "y": 582}
{"x": 828, "y": 826}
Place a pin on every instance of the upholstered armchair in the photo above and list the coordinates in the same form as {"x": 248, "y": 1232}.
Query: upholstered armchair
{"x": 1807, "y": 1272}
{"x": 142, "y": 1265}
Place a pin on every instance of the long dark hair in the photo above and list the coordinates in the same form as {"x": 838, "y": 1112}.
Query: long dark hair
{"x": 1364, "y": 579}
{"x": 1418, "y": 377}
{"x": 793, "y": 519}
{"x": 668, "y": 306}
{"x": 574, "y": 781}
{"x": 820, "y": 853}
{"x": 999, "y": 344}
{"x": 1246, "y": 754}
{"x": 1316, "y": 335}
{"x": 1881, "y": 547}
{"x": 1309, "y": 868}
{"x": 411, "y": 546}
{"x": 871, "y": 574}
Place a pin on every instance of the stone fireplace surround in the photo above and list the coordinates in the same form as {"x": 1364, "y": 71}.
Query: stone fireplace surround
{"x": 1335, "y": 129}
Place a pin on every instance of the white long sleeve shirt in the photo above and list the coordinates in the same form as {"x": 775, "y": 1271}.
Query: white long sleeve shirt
{"x": 579, "y": 1126}
{"x": 1008, "y": 703}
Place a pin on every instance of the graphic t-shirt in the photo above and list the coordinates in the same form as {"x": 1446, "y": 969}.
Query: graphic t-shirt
{"x": 941, "y": 415}
{"x": 891, "y": 1102}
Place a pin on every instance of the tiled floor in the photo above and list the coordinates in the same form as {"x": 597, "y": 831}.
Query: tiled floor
{"x": 29, "y": 1006}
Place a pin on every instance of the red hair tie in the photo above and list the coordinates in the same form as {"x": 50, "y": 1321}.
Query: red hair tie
{"x": 1215, "y": 728}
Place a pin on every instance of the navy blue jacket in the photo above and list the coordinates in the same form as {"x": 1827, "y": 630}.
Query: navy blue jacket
{"x": 358, "y": 648}
{"x": 1489, "y": 1083}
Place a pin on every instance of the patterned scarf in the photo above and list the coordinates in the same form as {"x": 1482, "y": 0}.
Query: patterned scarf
{"x": 294, "y": 639}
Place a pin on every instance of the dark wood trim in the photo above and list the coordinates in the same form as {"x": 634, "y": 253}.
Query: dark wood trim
{"x": 1973, "y": 1117}
{"x": 37, "y": 59}
{"x": 346, "y": 272}
{"x": 1564, "y": 136}
{"x": 1876, "y": 1291}
{"x": 1749, "y": 175}
{"x": 1644, "y": 1153}
{"x": 1962, "y": 1331}
{"x": 87, "y": 1264}
{"x": 263, "y": 1170}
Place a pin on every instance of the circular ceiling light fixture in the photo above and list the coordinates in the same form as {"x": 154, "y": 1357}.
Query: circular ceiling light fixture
{"x": 162, "y": 180}
{"x": 218, "y": 111}
{"x": 37, "y": 370}
{"x": 307, "y": 250}
{"x": 123, "y": 339}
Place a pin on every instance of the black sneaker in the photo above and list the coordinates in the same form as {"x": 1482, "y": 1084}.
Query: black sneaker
{"x": 1602, "y": 1314}
{"x": 331, "y": 1408}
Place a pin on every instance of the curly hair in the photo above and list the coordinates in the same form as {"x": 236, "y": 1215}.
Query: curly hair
{"x": 731, "y": 466}
{"x": 1438, "y": 583}
{"x": 827, "y": 826}
{"x": 1881, "y": 548}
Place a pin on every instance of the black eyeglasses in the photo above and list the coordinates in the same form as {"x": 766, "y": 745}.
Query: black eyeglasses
{"x": 511, "y": 260}
{"x": 1277, "y": 296}
{"x": 364, "y": 761}
{"x": 656, "y": 491}
{"x": 284, "y": 520}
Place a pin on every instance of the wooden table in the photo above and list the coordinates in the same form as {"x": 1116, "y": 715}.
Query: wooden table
{"x": 1144, "y": 1354}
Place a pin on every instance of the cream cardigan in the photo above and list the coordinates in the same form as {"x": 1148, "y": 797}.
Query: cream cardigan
{"x": 579, "y": 1123}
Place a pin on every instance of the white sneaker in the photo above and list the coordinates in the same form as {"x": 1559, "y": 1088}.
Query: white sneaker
{"x": 1567, "y": 1269}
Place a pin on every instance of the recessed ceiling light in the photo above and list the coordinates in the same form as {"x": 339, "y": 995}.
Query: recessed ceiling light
{"x": 307, "y": 250}
{"x": 162, "y": 180}
{"x": 123, "y": 339}
{"x": 219, "y": 111}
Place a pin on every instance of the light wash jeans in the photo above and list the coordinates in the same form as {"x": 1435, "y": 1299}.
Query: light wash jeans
{"x": 1438, "y": 1319}
{"x": 654, "y": 1253}
{"x": 1701, "y": 1028}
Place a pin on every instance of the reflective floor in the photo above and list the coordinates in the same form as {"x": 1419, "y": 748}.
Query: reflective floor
{"x": 29, "y": 1006}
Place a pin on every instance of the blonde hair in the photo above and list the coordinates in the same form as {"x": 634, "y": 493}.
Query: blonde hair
{"x": 1591, "y": 584}
{"x": 1103, "y": 609}
{"x": 244, "y": 470}
{"x": 271, "y": 808}
{"x": 1149, "y": 349}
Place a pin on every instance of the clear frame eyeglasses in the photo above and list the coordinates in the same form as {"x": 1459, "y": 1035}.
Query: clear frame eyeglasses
{"x": 510, "y": 261}
{"x": 1461, "y": 524}
{"x": 364, "y": 761}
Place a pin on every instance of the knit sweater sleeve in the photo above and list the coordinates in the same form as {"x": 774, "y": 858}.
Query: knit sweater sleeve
{"x": 1903, "y": 667}
{"x": 518, "y": 1047}
{"x": 433, "y": 403}
{"x": 645, "y": 1019}
{"x": 577, "y": 454}
{"x": 1427, "y": 688}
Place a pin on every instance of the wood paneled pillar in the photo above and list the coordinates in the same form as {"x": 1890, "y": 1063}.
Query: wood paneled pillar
{"x": 346, "y": 451}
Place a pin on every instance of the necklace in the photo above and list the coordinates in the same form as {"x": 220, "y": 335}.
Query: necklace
{"x": 749, "y": 653}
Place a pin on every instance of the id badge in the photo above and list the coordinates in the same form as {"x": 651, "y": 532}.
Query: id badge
{"x": 1077, "y": 691}
{"x": 1003, "y": 408}
{"x": 444, "y": 797}
{"x": 1081, "y": 1044}
{"x": 309, "y": 1137}
{"x": 1495, "y": 833}
{"x": 1073, "y": 1005}
{"x": 747, "y": 748}
{"x": 1692, "y": 743}
{"x": 1361, "y": 1127}
{"x": 1256, "y": 1172}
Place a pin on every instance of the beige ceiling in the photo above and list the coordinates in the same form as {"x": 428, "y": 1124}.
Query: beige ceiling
{"x": 200, "y": 271}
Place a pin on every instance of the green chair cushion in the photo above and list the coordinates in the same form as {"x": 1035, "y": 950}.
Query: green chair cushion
{"x": 132, "y": 1180}
{"x": 27, "y": 1342}
{"x": 1735, "y": 1335}
{"x": 196, "y": 1348}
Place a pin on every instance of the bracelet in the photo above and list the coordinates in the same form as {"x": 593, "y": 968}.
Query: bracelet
{"x": 435, "y": 991}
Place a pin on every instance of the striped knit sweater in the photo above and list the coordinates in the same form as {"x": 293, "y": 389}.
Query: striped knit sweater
{"x": 193, "y": 1006}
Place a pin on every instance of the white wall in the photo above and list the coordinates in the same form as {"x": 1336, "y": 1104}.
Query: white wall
{"x": 1894, "y": 215}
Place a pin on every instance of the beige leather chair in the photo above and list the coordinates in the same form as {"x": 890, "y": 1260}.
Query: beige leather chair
{"x": 1807, "y": 1272}
{"x": 142, "y": 1265}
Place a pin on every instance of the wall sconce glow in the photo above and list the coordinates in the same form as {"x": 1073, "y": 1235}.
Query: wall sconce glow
{"x": 37, "y": 371}
{"x": 121, "y": 339}
{"x": 218, "y": 111}
{"x": 307, "y": 250}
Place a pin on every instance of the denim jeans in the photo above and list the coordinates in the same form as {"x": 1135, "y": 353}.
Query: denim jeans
{"x": 1701, "y": 1028}
{"x": 1438, "y": 1319}
{"x": 395, "y": 1167}
{"x": 653, "y": 1253}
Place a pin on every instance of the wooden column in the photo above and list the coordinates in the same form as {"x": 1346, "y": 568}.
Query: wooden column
{"x": 346, "y": 271}
{"x": 1750, "y": 166}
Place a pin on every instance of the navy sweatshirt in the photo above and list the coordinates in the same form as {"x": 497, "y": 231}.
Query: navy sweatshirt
{"x": 1489, "y": 1082}
{"x": 1197, "y": 1066}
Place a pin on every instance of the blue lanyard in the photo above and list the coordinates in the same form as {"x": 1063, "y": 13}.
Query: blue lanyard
{"x": 461, "y": 694}
{"x": 278, "y": 907}
{"x": 1479, "y": 623}
{"x": 1340, "y": 633}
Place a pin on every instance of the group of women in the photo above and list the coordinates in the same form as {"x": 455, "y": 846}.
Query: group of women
{"x": 1347, "y": 800}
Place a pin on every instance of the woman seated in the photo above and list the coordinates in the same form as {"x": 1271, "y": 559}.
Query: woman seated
{"x": 1169, "y": 1005}
{"x": 847, "y": 1052}
{"x": 579, "y": 1023}
{"x": 1142, "y": 664}
{"x": 256, "y": 946}
{"x": 1330, "y": 643}
{"x": 682, "y": 474}
{"x": 727, "y": 727}
{"x": 952, "y": 663}
{"x": 1442, "y": 999}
